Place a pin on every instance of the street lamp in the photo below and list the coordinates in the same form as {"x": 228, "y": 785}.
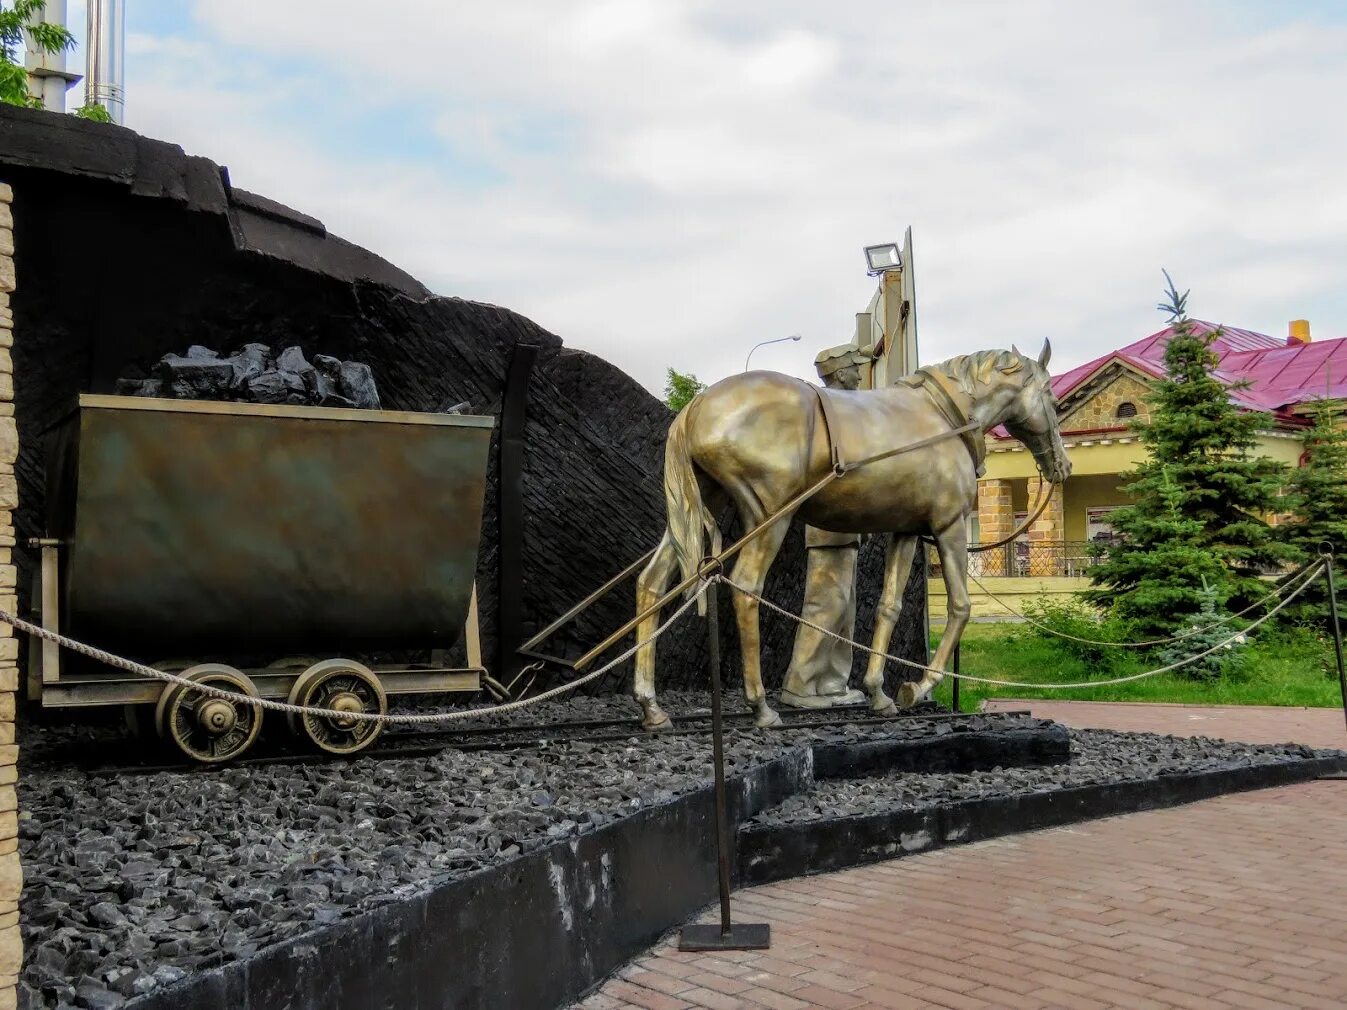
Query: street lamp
{"x": 764, "y": 343}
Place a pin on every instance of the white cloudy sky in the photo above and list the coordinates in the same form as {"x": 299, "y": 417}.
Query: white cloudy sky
{"x": 666, "y": 182}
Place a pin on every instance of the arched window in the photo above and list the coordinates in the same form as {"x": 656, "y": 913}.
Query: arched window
{"x": 1126, "y": 409}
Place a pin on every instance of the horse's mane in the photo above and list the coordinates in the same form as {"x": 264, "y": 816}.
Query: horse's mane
{"x": 970, "y": 371}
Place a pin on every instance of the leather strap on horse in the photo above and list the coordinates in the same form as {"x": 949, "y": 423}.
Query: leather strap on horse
{"x": 942, "y": 391}
{"x": 830, "y": 430}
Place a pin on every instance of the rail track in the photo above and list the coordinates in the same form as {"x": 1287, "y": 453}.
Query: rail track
{"x": 428, "y": 743}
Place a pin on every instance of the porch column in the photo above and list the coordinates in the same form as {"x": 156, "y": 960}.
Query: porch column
{"x": 1047, "y": 532}
{"x": 996, "y": 521}
{"x": 11, "y": 877}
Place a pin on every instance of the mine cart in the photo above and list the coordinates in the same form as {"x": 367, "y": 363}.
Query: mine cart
{"x": 259, "y": 549}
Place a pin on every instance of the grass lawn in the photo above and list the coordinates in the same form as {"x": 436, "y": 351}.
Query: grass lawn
{"x": 1282, "y": 669}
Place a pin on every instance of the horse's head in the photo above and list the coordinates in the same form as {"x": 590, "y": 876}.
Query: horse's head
{"x": 1031, "y": 414}
{"x": 1005, "y": 387}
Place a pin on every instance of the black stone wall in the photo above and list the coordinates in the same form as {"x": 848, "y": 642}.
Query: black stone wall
{"x": 128, "y": 249}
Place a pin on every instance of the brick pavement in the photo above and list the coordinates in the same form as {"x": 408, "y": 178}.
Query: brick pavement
{"x": 1318, "y": 727}
{"x": 1237, "y": 903}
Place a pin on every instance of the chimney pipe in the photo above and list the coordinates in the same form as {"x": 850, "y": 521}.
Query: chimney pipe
{"x": 104, "y": 48}
{"x": 1299, "y": 332}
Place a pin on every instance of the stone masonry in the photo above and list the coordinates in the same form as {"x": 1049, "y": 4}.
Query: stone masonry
{"x": 1048, "y": 528}
{"x": 1100, "y": 410}
{"x": 996, "y": 520}
{"x": 11, "y": 875}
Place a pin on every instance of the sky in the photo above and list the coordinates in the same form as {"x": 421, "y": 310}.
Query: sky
{"x": 667, "y": 183}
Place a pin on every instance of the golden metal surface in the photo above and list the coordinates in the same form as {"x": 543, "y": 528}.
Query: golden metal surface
{"x": 344, "y": 685}
{"x": 764, "y": 440}
{"x": 282, "y": 410}
{"x": 206, "y": 729}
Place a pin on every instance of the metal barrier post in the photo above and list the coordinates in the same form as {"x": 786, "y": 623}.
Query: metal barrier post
{"x": 1327, "y": 553}
{"x": 954, "y": 691}
{"x": 726, "y": 935}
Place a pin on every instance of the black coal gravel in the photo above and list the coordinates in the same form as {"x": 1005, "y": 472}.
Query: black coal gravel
{"x": 132, "y": 881}
{"x": 253, "y": 374}
{"x": 1096, "y": 756}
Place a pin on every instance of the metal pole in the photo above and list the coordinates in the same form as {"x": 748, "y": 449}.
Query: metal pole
{"x": 1327, "y": 553}
{"x": 954, "y": 701}
{"x": 718, "y": 755}
{"x": 726, "y": 936}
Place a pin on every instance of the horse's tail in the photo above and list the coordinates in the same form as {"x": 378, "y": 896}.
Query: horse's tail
{"x": 689, "y": 518}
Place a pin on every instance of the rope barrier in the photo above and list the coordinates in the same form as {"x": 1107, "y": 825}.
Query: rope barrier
{"x": 131, "y": 666}
{"x": 1277, "y": 591}
{"x": 1014, "y": 683}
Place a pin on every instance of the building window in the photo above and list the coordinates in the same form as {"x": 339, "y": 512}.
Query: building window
{"x": 1126, "y": 409}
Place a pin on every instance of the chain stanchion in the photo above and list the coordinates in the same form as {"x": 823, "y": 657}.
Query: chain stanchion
{"x": 726, "y": 935}
{"x": 1326, "y": 552}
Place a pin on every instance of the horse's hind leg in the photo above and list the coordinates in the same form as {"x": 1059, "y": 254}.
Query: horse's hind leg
{"x": 650, "y": 585}
{"x": 750, "y": 572}
{"x": 952, "y": 543}
{"x": 897, "y": 567}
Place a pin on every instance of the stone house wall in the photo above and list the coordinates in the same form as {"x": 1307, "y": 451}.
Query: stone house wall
{"x": 11, "y": 875}
{"x": 1101, "y": 409}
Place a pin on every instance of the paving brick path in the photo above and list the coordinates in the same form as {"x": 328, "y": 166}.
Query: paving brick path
{"x": 1318, "y": 727}
{"x": 1238, "y": 902}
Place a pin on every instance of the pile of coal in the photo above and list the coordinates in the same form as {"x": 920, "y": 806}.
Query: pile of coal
{"x": 253, "y": 374}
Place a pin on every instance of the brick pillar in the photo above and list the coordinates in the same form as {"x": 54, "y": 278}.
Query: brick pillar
{"x": 1047, "y": 532}
{"x": 996, "y": 520}
{"x": 11, "y": 875}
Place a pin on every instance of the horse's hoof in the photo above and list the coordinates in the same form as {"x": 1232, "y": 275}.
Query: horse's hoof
{"x": 767, "y": 718}
{"x": 882, "y": 704}
{"x": 656, "y": 720}
{"x": 910, "y": 694}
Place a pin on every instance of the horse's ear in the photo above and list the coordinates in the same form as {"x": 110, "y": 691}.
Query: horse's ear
{"x": 1045, "y": 355}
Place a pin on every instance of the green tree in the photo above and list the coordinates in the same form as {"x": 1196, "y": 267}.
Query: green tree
{"x": 1316, "y": 498}
{"x": 49, "y": 38}
{"x": 680, "y": 389}
{"x": 1195, "y": 527}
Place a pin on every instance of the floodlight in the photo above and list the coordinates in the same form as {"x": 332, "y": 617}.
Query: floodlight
{"x": 882, "y": 258}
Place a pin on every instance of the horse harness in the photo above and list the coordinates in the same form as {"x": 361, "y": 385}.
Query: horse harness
{"x": 941, "y": 390}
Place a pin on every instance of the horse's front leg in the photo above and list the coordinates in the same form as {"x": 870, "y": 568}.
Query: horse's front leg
{"x": 952, "y": 543}
{"x": 651, "y": 583}
{"x": 897, "y": 567}
{"x": 750, "y": 572}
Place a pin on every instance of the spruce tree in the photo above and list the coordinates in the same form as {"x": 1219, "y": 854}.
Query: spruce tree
{"x": 1316, "y": 497}
{"x": 1198, "y": 500}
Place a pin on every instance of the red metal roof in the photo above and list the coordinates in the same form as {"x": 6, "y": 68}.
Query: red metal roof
{"x": 1280, "y": 375}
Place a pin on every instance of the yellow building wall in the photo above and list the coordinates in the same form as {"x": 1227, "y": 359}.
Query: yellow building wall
{"x": 1015, "y": 592}
{"x": 1096, "y": 471}
{"x": 1090, "y": 491}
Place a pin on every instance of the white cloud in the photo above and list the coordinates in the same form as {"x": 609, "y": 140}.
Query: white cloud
{"x": 667, "y": 183}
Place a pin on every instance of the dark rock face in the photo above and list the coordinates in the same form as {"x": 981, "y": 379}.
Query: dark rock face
{"x": 202, "y": 264}
{"x": 253, "y": 375}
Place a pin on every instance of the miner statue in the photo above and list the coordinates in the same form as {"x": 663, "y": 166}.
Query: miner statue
{"x": 820, "y": 665}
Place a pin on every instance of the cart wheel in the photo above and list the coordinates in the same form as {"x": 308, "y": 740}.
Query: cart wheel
{"x": 344, "y": 685}
{"x": 204, "y": 727}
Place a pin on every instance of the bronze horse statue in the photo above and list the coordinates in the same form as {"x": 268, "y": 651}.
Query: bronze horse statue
{"x": 765, "y": 438}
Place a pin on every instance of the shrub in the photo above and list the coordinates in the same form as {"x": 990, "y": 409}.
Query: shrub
{"x": 1055, "y": 617}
